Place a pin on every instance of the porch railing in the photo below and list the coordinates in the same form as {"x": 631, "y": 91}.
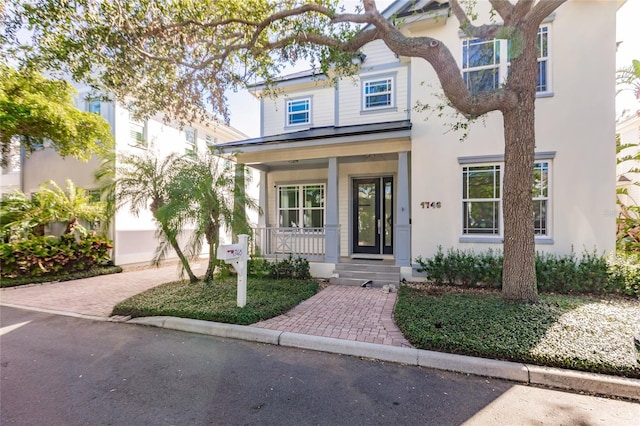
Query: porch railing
{"x": 280, "y": 242}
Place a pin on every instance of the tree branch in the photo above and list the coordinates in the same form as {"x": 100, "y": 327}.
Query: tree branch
{"x": 483, "y": 31}
{"x": 541, "y": 10}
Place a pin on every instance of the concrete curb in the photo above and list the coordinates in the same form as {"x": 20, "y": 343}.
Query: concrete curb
{"x": 588, "y": 382}
{"x": 231, "y": 331}
{"x": 55, "y": 312}
{"x": 523, "y": 373}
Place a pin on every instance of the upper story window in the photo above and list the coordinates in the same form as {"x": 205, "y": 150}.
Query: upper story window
{"x": 485, "y": 63}
{"x": 210, "y": 140}
{"x": 190, "y": 141}
{"x": 137, "y": 135}
{"x": 301, "y": 206}
{"x": 298, "y": 112}
{"x": 94, "y": 106}
{"x": 378, "y": 93}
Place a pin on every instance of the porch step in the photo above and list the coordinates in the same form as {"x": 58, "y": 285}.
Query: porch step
{"x": 357, "y": 274}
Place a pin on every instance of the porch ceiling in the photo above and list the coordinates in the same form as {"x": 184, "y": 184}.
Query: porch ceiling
{"x": 313, "y": 147}
{"x": 318, "y": 156}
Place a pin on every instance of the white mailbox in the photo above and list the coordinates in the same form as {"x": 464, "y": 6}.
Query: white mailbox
{"x": 237, "y": 255}
{"x": 230, "y": 252}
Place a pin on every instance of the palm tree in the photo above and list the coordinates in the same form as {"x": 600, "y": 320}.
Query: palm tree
{"x": 22, "y": 216}
{"x": 628, "y": 78}
{"x": 70, "y": 205}
{"x": 142, "y": 182}
{"x": 204, "y": 191}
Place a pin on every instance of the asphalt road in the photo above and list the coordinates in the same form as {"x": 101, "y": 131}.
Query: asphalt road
{"x": 58, "y": 370}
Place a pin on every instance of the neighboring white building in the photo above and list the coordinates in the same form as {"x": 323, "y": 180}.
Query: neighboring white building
{"x": 352, "y": 170}
{"x": 134, "y": 239}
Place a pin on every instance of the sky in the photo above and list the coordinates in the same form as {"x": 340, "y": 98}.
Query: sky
{"x": 245, "y": 109}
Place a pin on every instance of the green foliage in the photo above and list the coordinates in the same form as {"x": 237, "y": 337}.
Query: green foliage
{"x": 258, "y": 267}
{"x": 93, "y": 272}
{"x": 22, "y": 216}
{"x": 143, "y": 182}
{"x": 201, "y": 50}
{"x": 559, "y": 331}
{"x": 592, "y": 273}
{"x": 290, "y": 268}
{"x": 464, "y": 268}
{"x": 203, "y": 191}
{"x": 34, "y": 109}
{"x": 266, "y": 298}
{"x": 41, "y": 256}
{"x": 628, "y": 78}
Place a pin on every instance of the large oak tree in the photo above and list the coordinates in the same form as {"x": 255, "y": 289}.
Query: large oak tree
{"x": 180, "y": 57}
{"x": 35, "y": 110}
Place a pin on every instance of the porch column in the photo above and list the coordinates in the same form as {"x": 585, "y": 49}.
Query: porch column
{"x": 403, "y": 228}
{"x": 332, "y": 227}
{"x": 263, "y": 195}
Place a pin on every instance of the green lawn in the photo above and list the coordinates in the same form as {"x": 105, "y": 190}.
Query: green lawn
{"x": 266, "y": 298}
{"x": 573, "y": 332}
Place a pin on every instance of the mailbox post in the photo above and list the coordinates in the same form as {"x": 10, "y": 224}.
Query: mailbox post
{"x": 237, "y": 255}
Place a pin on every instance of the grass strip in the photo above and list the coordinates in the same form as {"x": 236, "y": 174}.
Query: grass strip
{"x": 266, "y": 298}
{"x": 579, "y": 333}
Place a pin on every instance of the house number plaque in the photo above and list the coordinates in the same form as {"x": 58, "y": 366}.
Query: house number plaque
{"x": 431, "y": 204}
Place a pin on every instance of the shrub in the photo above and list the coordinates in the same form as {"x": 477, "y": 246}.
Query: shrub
{"x": 592, "y": 273}
{"x": 40, "y": 256}
{"x": 297, "y": 268}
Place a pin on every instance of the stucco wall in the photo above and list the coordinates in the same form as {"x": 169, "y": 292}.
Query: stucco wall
{"x": 576, "y": 123}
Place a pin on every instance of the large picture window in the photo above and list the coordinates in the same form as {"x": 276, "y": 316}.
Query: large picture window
{"x": 485, "y": 62}
{"x": 301, "y": 206}
{"x": 482, "y": 199}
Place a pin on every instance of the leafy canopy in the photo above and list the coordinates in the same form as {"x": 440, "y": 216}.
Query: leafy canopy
{"x": 34, "y": 109}
{"x": 175, "y": 57}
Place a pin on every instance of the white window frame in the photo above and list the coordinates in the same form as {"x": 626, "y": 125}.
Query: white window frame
{"x": 301, "y": 208}
{"x": 541, "y": 235}
{"x": 289, "y": 113}
{"x": 367, "y": 82}
{"x": 137, "y": 127}
{"x": 191, "y": 141}
{"x": 211, "y": 141}
{"x": 501, "y": 60}
{"x": 496, "y": 199}
{"x": 91, "y": 103}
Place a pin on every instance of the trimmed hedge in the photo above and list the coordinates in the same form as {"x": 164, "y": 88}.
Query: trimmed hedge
{"x": 592, "y": 273}
{"x": 93, "y": 272}
{"x": 43, "y": 256}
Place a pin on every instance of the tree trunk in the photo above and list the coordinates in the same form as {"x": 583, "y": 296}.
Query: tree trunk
{"x": 212, "y": 239}
{"x": 519, "y": 272}
{"x": 185, "y": 262}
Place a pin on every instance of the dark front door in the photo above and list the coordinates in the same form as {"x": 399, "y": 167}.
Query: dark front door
{"x": 373, "y": 215}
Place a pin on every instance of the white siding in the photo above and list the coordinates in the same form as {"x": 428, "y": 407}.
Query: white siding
{"x": 350, "y": 98}
{"x": 322, "y": 108}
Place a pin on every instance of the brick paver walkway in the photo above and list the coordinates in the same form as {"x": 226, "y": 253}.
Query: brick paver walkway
{"x": 95, "y": 296}
{"x": 344, "y": 312}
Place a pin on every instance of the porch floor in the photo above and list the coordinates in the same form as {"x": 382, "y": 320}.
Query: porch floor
{"x": 344, "y": 312}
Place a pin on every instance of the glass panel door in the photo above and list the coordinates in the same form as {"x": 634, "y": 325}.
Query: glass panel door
{"x": 373, "y": 215}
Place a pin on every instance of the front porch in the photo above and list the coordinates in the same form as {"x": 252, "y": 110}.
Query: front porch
{"x": 333, "y": 194}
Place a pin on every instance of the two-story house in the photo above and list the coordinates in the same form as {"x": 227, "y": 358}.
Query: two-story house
{"x": 134, "y": 236}
{"x": 353, "y": 170}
